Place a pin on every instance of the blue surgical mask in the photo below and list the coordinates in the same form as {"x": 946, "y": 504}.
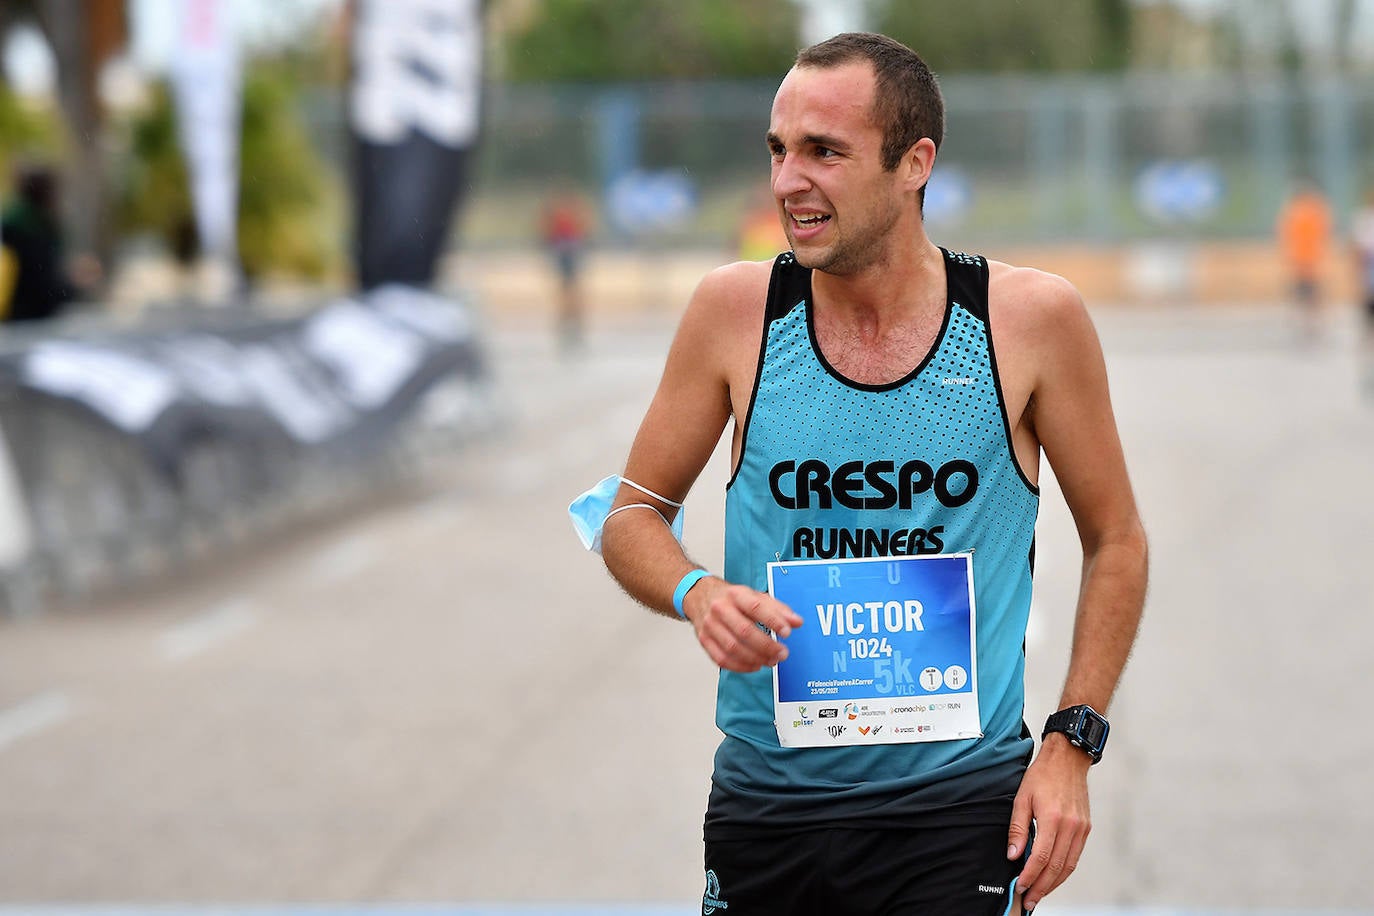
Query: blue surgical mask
{"x": 590, "y": 511}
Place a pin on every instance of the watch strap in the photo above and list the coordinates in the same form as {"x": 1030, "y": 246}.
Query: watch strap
{"x": 1065, "y": 720}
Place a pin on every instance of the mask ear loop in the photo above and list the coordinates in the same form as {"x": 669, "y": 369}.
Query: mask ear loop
{"x": 648, "y": 492}
{"x": 645, "y": 490}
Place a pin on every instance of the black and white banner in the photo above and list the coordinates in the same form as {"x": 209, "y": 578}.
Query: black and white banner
{"x": 206, "y": 79}
{"x": 414, "y": 107}
{"x": 107, "y": 438}
{"x": 337, "y": 378}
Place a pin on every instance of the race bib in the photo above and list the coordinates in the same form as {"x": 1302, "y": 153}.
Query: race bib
{"x": 887, "y": 653}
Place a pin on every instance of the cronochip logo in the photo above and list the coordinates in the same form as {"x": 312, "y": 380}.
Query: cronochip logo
{"x": 710, "y": 901}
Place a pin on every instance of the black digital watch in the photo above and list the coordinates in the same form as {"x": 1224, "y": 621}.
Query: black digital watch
{"x": 1083, "y": 726}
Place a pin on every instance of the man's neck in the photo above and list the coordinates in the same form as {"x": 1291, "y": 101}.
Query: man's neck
{"x": 894, "y": 292}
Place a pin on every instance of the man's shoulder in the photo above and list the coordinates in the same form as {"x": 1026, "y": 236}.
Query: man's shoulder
{"x": 738, "y": 277}
{"x": 1027, "y": 296}
{"x": 1014, "y": 280}
{"x": 719, "y": 332}
{"x": 736, "y": 290}
{"x": 1038, "y": 314}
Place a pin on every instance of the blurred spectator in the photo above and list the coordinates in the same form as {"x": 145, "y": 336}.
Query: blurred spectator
{"x": 1362, "y": 237}
{"x": 565, "y": 229}
{"x": 761, "y": 237}
{"x": 1304, "y": 233}
{"x": 36, "y": 278}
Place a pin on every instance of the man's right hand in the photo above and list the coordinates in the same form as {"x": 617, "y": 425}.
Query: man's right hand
{"x": 727, "y": 619}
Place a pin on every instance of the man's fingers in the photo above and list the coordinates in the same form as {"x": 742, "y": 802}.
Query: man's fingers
{"x": 750, "y": 639}
{"x": 732, "y": 629}
{"x": 1019, "y": 832}
{"x": 729, "y": 655}
{"x": 775, "y": 615}
{"x": 1037, "y": 860}
{"x": 1053, "y": 860}
{"x": 740, "y": 645}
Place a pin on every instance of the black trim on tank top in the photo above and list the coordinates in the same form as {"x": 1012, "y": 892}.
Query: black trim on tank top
{"x": 972, "y": 276}
{"x": 788, "y": 284}
{"x": 968, "y": 282}
{"x": 905, "y": 379}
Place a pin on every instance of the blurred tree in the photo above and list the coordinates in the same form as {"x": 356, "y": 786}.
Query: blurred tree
{"x": 615, "y": 40}
{"x": 609, "y": 40}
{"x": 285, "y": 190}
{"x": 25, "y": 131}
{"x": 287, "y": 195}
{"x": 1028, "y": 35}
{"x": 154, "y": 196}
{"x": 83, "y": 35}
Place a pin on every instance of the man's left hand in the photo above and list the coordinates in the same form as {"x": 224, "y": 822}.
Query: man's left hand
{"x": 1053, "y": 794}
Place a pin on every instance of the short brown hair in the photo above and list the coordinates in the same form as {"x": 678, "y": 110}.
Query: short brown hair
{"x": 906, "y": 101}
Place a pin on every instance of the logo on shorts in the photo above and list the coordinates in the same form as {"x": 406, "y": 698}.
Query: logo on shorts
{"x": 710, "y": 901}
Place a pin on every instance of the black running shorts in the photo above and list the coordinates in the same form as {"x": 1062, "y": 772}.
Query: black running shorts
{"x": 936, "y": 871}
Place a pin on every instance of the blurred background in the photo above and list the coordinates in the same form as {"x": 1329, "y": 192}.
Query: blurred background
{"x": 316, "y": 314}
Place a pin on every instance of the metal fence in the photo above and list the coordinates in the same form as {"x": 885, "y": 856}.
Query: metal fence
{"x": 1025, "y": 159}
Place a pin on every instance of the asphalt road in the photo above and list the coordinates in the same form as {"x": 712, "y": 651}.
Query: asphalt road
{"x": 441, "y": 697}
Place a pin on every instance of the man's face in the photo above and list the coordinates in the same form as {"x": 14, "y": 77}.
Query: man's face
{"x": 836, "y": 202}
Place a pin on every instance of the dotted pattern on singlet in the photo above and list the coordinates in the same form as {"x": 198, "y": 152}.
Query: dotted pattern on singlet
{"x": 948, "y": 409}
{"x": 945, "y": 410}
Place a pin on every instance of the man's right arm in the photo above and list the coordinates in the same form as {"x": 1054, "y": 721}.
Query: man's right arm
{"x": 715, "y": 347}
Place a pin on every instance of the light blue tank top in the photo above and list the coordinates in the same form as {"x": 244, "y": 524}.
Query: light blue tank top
{"x": 833, "y": 468}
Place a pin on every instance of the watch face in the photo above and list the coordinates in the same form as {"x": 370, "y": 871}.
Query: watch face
{"x": 1093, "y": 731}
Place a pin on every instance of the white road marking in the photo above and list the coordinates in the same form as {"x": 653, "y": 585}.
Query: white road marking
{"x": 207, "y": 629}
{"x": 33, "y": 715}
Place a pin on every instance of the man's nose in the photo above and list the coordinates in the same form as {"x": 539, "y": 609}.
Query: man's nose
{"x": 788, "y": 178}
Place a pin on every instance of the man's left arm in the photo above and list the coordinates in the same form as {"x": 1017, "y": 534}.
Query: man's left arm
{"x": 1072, "y": 416}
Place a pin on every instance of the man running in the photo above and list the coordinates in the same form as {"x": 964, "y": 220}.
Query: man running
{"x": 890, "y": 399}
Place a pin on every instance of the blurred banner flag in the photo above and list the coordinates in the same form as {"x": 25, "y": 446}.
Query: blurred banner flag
{"x": 414, "y": 110}
{"x": 207, "y": 78}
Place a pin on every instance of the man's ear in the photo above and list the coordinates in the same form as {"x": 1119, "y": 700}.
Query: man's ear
{"x": 918, "y": 162}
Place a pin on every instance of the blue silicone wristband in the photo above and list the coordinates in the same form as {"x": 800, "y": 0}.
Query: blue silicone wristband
{"x": 684, "y": 585}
